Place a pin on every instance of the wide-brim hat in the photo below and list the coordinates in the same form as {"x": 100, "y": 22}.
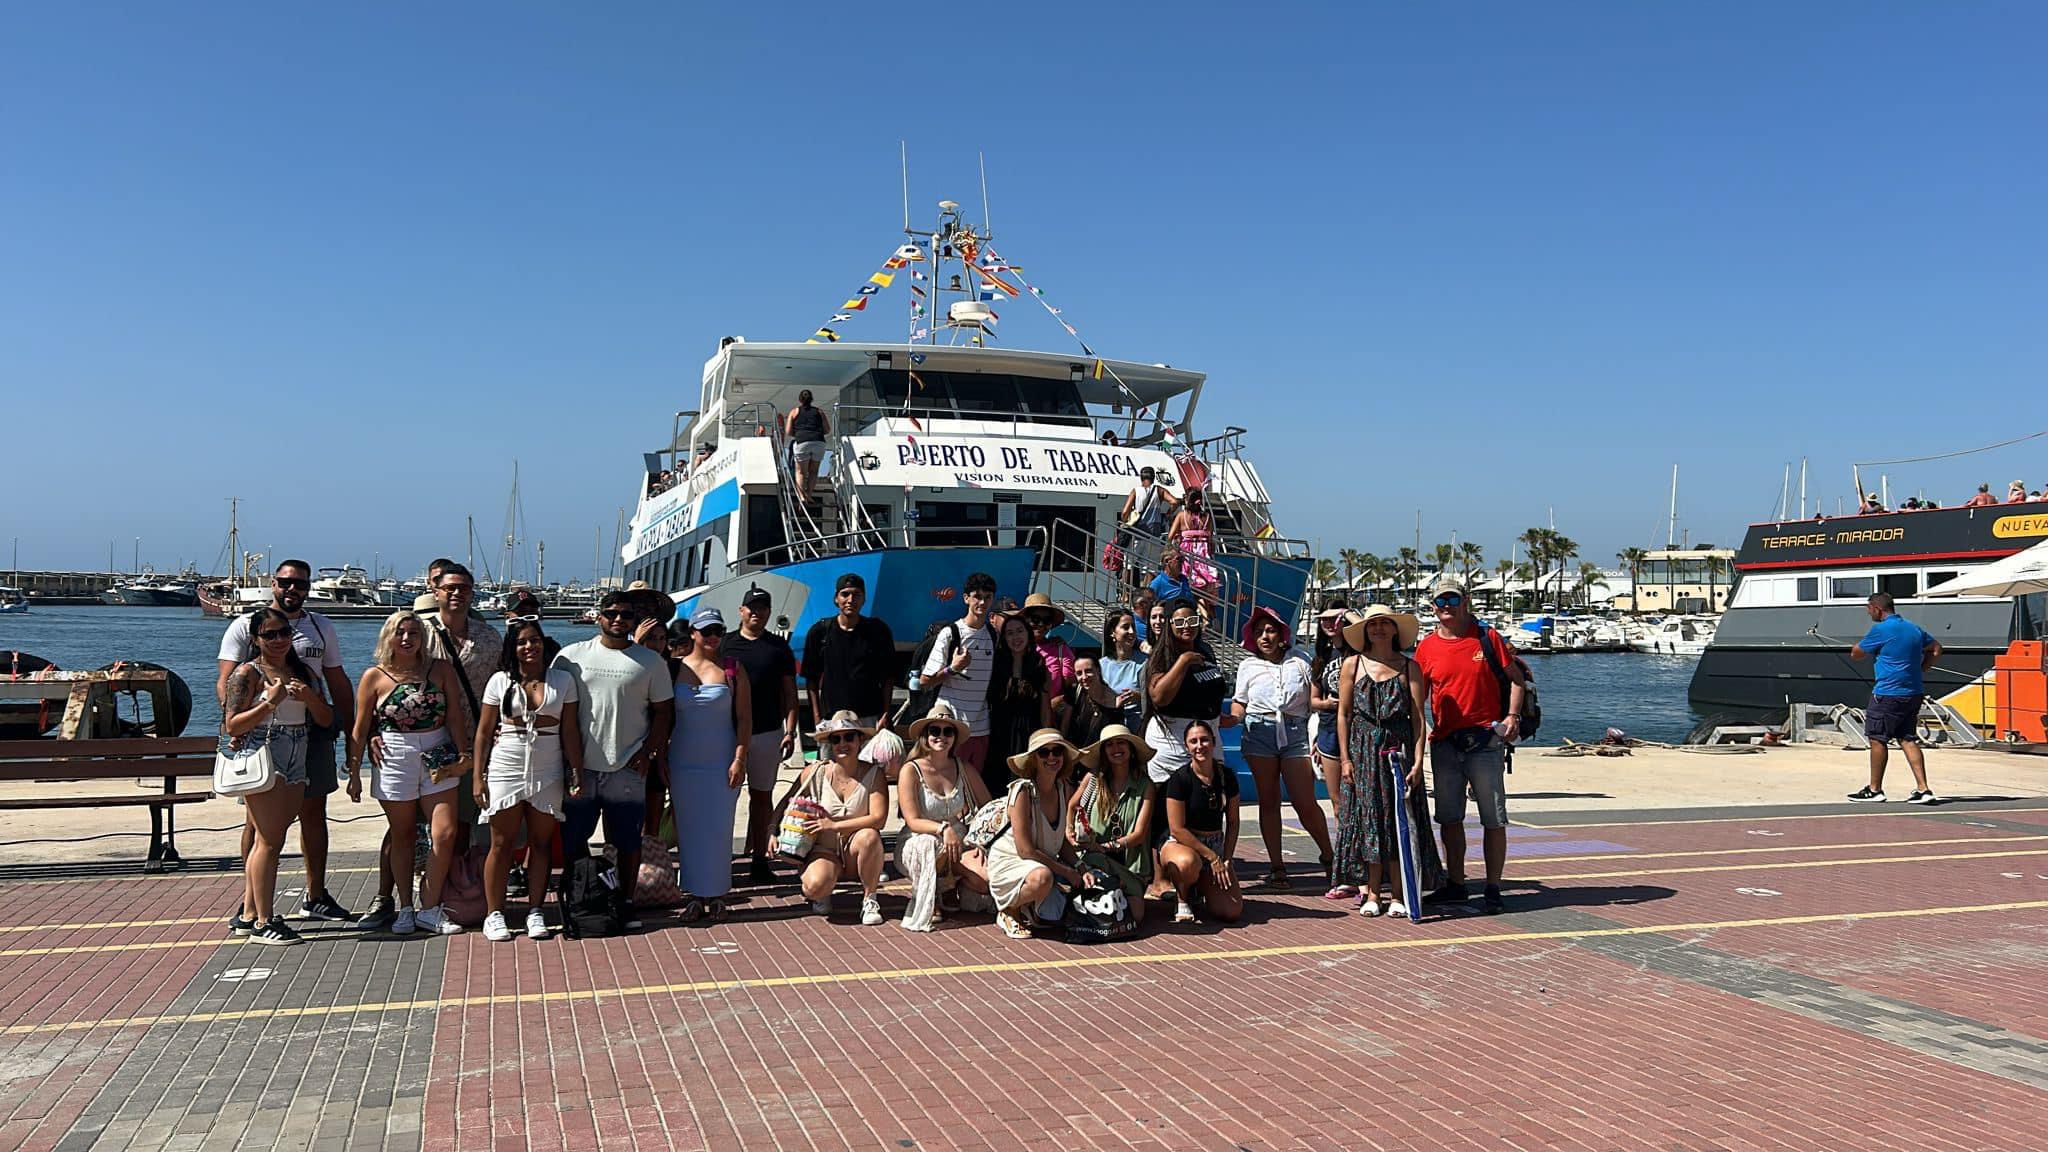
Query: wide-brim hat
{"x": 844, "y": 720}
{"x": 649, "y": 604}
{"x": 1040, "y": 602}
{"x": 1043, "y": 738}
{"x": 1406, "y": 626}
{"x": 1259, "y": 616}
{"x": 1141, "y": 752}
{"x": 941, "y": 713}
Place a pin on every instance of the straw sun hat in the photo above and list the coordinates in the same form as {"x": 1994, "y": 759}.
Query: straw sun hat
{"x": 1406, "y": 626}
{"x": 1040, "y": 602}
{"x": 941, "y": 713}
{"x": 1141, "y": 752}
{"x": 1021, "y": 763}
{"x": 844, "y": 720}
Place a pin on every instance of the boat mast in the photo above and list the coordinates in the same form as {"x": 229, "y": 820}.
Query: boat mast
{"x": 1671, "y": 532}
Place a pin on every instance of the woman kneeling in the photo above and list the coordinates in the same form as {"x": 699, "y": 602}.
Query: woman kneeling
{"x": 1201, "y": 821}
{"x": 1032, "y": 853}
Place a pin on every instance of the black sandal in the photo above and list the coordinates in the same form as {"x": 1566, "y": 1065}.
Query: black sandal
{"x": 691, "y": 911}
{"x": 714, "y": 910}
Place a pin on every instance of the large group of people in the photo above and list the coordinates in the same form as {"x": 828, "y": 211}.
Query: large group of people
{"x": 1028, "y": 773}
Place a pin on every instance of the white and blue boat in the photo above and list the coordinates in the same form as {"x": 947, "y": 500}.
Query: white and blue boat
{"x": 12, "y": 600}
{"x": 946, "y": 456}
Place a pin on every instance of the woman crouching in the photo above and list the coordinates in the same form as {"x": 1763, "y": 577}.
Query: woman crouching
{"x": 1201, "y": 822}
{"x": 1032, "y": 852}
{"x": 936, "y": 798}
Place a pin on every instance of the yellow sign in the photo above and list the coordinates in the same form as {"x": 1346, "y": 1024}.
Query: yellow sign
{"x": 2011, "y": 527}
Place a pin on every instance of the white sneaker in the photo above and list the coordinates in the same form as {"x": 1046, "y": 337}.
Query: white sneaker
{"x": 870, "y": 911}
{"x": 1369, "y": 908}
{"x": 436, "y": 920}
{"x": 406, "y": 922}
{"x": 822, "y": 907}
{"x": 1182, "y": 914}
{"x": 494, "y": 928}
{"x": 1397, "y": 909}
{"x": 536, "y": 925}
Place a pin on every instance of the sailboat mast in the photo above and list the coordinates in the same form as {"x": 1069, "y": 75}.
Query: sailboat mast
{"x": 1671, "y": 533}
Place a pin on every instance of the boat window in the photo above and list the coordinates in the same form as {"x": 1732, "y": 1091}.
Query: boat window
{"x": 2027, "y": 615}
{"x": 967, "y": 392}
{"x": 980, "y": 393}
{"x": 1941, "y": 576}
{"x": 953, "y": 524}
{"x": 1809, "y": 589}
{"x": 1851, "y": 587}
{"x": 1064, "y": 545}
{"x": 1902, "y": 585}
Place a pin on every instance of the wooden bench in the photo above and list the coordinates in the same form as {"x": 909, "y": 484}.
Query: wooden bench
{"x": 170, "y": 760}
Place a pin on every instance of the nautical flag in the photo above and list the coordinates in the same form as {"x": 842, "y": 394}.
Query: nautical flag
{"x": 1265, "y": 530}
{"x": 840, "y": 318}
{"x": 826, "y": 334}
{"x": 991, "y": 280}
{"x": 916, "y": 275}
{"x": 883, "y": 279}
{"x": 1098, "y": 369}
{"x": 917, "y": 357}
{"x": 895, "y": 262}
{"x": 856, "y": 304}
{"x": 869, "y": 289}
{"x": 916, "y": 291}
{"x": 920, "y": 334}
{"x": 914, "y": 380}
{"x": 909, "y": 252}
{"x": 1085, "y": 349}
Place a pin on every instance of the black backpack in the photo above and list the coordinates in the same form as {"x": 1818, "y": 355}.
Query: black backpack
{"x": 919, "y": 702}
{"x": 589, "y": 899}
{"x": 1532, "y": 712}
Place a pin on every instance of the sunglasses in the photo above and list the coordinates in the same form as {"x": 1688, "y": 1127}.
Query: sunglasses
{"x": 291, "y": 582}
{"x": 458, "y": 589}
{"x": 1051, "y": 753}
{"x": 941, "y": 732}
{"x": 1186, "y": 623}
{"x": 534, "y": 618}
{"x": 842, "y": 738}
{"x": 1449, "y": 600}
{"x": 618, "y": 614}
{"x": 714, "y": 631}
{"x": 275, "y": 634}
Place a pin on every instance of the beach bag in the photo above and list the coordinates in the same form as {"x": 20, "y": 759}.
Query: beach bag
{"x": 990, "y": 821}
{"x": 462, "y": 892}
{"x": 791, "y": 841}
{"x": 1532, "y": 712}
{"x": 1099, "y": 915}
{"x": 1091, "y": 810}
{"x": 655, "y": 886}
{"x": 589, "y": 900}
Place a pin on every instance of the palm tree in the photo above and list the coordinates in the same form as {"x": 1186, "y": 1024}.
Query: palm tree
{"x": 1469, "y": 557}
{"x": 1374, "y": 572}
{"x": 1562, "y": 549}
{"x": 1321, "y": 573}
{"x": 1442, "y": 554}
{"x": 1408, "y": 560}
{"x": 1349, "y": 558}
{"x": 1715, "y": 566}
{"x": 1590, "y": 577}
{"x": 1504, "y": 569}
{"x": 1632, "y": 559}
{"x": 1536, "y": 542}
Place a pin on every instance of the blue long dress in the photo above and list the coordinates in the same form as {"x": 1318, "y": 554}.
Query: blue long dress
{"x": 699, "y": 755}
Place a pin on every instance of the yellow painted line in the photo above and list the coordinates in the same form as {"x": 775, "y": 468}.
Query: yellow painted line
{"x": 1070, "y": 962}
{"x": 145, "y": 946}
{"x": 91, "y": 925}
{"x": 1775, "y": 865}
{"x": 1785, "y": 848}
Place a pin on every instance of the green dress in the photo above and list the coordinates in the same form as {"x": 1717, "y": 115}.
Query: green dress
{"x": 1132, "y": 866}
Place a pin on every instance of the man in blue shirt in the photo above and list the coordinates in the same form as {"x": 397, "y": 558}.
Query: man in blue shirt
{"x": 1903, "y": 651}
{"x": 1172, "y": 582}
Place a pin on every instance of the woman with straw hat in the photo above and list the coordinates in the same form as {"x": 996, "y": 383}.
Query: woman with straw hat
{"x": 1032, "y": 853}
{"x": 1111, "y": 812}
{"x": 1042, "y": 616}
{"x": 848, "y": 837}
{"x": 1379, "y": 717}
{"x": 936, "y": 794}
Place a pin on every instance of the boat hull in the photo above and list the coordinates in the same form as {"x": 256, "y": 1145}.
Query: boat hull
{"x": 1763, "y": 658}
{"x": 149, "y": 598}
{"x": 907, "y": 588}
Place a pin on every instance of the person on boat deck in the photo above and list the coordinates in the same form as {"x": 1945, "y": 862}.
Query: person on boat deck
{"x": 315, "y": 644}
{"x": 1193, "y": 532}
{"x": 1983, "y": 498}
{"x": 1109, "y": 438}
{"x": 1110, "y": 822}
{"x": 412, "y": 722}
{"x": 807, "y": 429}
{"x": 1141, "y": 618}
{"x": 1148, "y": 507}
{"x": 1201, "y": 825}
{"x": 1018, "y": 701}
{"x": 1033, "y": 853}
{"x": 2016, "y": 493}
{"x": 960, "y": 664}
{"x": 1087, "y": 706}
{"x": 528, "y": 769}
{"x": 847, "y": 839}
{"x": 770, "y": 666}
{"x": 936, "y": 794}
{"x": 271, "y": 701}
{"x": 1172, "y": 583}
{"x": 1041, "y": 615}
{"x": 1271, "y": 701}
{"x": 1872, "y": 505}
{"x": 707, "y": 763}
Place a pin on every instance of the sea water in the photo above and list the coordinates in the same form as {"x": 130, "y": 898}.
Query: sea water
{"x": 1583, "y": 694}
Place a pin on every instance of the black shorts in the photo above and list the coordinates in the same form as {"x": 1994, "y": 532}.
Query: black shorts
{"x": 1892, "y": 718}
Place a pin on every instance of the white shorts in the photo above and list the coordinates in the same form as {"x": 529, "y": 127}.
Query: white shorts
{"x": 809, "y": 452}
{"x": 401, "y": 776}
{"x": 764, "y": 760}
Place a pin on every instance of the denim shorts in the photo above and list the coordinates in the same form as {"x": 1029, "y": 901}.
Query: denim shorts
{"x": 1285, "y": 738}
{"x": 1326, "y": 737}
{"x": 1483, "y": 772}
{"x": 287, "y": 744}
{"x": 621, "y": 796}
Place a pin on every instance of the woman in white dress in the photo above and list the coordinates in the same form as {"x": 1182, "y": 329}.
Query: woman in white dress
{"x": 526, "y": 708}
{"x": 936, "y": 799}
{"x": 1033, "y": 853}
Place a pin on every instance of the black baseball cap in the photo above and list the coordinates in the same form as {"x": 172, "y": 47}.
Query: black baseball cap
{"x": 850, "y": 580}
{"x": 756, "y": 595}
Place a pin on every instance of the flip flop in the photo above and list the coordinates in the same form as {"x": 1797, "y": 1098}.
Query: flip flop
{"x": 1342, "y": 892}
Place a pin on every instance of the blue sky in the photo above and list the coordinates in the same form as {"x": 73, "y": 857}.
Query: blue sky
{"x": 1496, "y": 262}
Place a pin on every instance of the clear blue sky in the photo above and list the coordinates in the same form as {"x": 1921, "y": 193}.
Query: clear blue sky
{"x": 348, "y": 262}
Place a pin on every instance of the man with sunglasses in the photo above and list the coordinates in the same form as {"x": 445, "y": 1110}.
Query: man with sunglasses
{"x": 1471, "y": 735}
{"x": 314, "y": 640}
{"x": 627, "y": 714}
{"x": 466, "y": 640}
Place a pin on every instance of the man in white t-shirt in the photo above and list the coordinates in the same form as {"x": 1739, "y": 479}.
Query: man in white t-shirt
{"x": 314, "y": 640}
{"x": 960, "y": 671}
{"x": 626, "y": 716}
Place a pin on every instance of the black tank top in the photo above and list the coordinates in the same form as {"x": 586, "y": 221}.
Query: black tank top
{"x": 808, "y": 426}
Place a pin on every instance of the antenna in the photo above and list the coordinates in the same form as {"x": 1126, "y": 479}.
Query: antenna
{"x": 988, "y": 231}
{"x": 903, "y": 147}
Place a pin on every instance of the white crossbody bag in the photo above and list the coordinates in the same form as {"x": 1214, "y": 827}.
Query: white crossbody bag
{"x": 244, "y": 773}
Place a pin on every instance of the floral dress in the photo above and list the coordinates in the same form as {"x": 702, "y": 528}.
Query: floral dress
{"x": 1382, "y": 723}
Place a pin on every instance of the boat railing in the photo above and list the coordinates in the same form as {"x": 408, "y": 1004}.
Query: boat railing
{"x": 905, "y": 536}
{"x": 859, "y": 418}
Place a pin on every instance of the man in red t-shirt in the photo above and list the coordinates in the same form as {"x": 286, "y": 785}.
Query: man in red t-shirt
{"x": 1470, "y": 735}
